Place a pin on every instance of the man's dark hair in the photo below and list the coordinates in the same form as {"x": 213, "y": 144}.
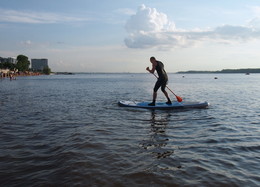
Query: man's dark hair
{"x": 152, "y": 58}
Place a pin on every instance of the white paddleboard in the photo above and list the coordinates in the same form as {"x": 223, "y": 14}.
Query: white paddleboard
{"x": 161, "y": 105}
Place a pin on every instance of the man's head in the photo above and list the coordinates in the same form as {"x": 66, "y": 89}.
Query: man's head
{"x": 152, "y": 59}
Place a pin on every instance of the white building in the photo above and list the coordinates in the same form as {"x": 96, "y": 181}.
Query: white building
{"x": 39, "y": 64}
{"x": 9, "y": 60}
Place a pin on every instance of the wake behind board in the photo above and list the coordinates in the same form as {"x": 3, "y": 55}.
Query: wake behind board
{"x": 161, "y": 105}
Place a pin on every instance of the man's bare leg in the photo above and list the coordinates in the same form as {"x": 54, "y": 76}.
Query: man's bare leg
{"x": 167, "y": 96}
{"x": 154, "y": 99}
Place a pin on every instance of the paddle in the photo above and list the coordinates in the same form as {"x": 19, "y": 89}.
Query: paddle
{"x": 179, "y": 99}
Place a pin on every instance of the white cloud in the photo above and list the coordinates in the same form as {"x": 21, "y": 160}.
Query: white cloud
{"x": 35, "y": 17}
{"x": 26, "y": 43}
{"x": 149, "y": 28}
{"x": 125, "y": 11}
{"x": 255, "y": 22}
{"x": 148, "y": 20}
{"x": 256, "y": 10}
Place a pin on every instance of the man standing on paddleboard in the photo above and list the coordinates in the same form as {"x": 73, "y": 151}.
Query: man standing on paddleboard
{"x": 161, "y": 81}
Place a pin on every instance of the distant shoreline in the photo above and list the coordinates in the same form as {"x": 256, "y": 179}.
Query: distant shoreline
{"x": 246, "y": 71}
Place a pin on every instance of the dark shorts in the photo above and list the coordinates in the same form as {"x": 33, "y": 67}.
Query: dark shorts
{"x": 160, "y": 83}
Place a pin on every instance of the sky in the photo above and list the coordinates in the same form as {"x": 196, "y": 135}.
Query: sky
{"x": 122, "y": 35}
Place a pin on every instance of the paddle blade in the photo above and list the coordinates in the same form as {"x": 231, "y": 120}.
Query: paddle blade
{"x": 179, "y": 99}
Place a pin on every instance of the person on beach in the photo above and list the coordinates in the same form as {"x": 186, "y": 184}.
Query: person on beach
{"x": 161, "y": 81}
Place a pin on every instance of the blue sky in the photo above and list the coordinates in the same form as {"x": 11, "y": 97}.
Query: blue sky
{"x": 121, "y": 35}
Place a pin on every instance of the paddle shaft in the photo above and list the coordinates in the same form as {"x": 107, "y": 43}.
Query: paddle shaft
{"x": 166, "y": 86}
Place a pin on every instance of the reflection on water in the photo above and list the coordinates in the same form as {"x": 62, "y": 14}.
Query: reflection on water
{"x": 157, "y": 140}
{"x": 159, "y": 135}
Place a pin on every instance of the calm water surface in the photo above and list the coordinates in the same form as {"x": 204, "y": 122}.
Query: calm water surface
{"x": 68, "y": 130}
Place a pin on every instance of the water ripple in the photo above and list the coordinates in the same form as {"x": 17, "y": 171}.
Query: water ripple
{"x": 69, "y": 131}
